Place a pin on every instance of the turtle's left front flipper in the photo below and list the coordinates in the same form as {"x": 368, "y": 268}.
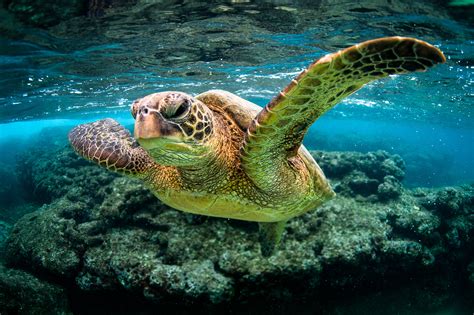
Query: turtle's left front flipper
{"x": 110, "y": 145}
{"x": 275, "y": 135}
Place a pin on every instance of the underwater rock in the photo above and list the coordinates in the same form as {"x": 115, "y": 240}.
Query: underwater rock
{"x": 360, "y": 184}
{"x": 344, "y": 242}
{"x": 390, "y": 188}
{"x": 46, "y": 239}
{"x": 451, "y": 201}
{"x": 46, "y": 175}
{"x": 455, "y": 205}
{"x": 374, "y": 165}
{"x": 470, "y": 270}
{"x": 107, "y": 233}
{"x": 375, "y": 175}
{"x": 9, "y": 186}
{"x": 4, "y": 232}
{"x": 195, "y": 280}
{"x": 46, "y": 13}
{"x": 22, "y": 293}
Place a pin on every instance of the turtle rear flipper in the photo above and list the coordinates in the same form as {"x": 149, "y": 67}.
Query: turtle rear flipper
{"x": 110, "y": 145}
{"x": 275, "y": 135}
{"x": 269, "y": 236}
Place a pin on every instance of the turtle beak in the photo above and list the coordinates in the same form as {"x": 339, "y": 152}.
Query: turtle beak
{"x": 150, "y": 125}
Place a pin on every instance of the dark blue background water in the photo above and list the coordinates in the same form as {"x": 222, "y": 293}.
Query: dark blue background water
{"x": 81, "y": 69}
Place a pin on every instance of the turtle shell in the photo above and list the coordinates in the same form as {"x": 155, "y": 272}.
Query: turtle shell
{"x": 240, "y": 110}
{"x": 243, "y": 112}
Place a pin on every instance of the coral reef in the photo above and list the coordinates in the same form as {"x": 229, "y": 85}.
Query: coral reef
{"x": 45, "y": 178}
{"x": 22, "y": 293}
{"x": 371, "y": 176}
{"x": 107, "y": 233}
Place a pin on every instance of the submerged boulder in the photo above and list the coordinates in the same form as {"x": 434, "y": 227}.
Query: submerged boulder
{"x": 374, "y": 176}
{"x": 106, "y": 233}
{"x": 45, "y": 237}
{"x": 390, "y": 188}
{"x": 46, "y": 175}
{"x": 46, "y": 13}
{"x": 22, "y": 293}
{"x": 9, "y": 193}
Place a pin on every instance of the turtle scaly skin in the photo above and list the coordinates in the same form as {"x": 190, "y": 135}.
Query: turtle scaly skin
{"x": 217, "y": 154}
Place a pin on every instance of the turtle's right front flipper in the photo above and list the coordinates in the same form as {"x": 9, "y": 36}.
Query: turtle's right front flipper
{"x": 274, "y": 137}
{"x": 110, "y": 145}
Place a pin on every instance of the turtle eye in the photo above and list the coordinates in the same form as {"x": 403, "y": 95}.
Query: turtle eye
{"x": 177, "y": 112}
{"x": 182, "y": 109}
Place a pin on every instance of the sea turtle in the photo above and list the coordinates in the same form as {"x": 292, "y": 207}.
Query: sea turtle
{"x": 219, "y": 155}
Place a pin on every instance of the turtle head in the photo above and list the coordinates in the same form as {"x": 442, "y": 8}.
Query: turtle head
{"x": 173, "y": 127}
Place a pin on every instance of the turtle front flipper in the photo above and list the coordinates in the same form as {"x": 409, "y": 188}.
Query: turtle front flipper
{"x": 110, "y": 145}
{"x": 275, "y": 135}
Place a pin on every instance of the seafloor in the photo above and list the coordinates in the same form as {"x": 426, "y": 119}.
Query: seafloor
{"x": 98, "y": 242}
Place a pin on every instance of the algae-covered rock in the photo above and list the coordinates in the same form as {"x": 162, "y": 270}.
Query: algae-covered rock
{"x": 470, "y": 270}
{"x": 48, "y": 175}
{"x": 44, "y": 241}
{"x": 375, "y": 175}
{"x": 375, "y": 165}
{"x": 22, "y": 293}
{"x": 9, "y": 188}
{"x": 194, "y": 280}
{"x": 455, "y": 206}
{"x": 46, "y": 13}
{"x": 451, "y": 201}
{"x": 107, "y": 233}
{"x": 390, "y": 188}
{"x": 4, "y": 232}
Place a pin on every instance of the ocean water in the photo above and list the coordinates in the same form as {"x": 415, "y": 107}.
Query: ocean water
{"x": 86, "y": 68}
{"x": 60, "y": 68}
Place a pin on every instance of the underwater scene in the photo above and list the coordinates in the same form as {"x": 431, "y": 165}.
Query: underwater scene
{"x": 151, "y": 157}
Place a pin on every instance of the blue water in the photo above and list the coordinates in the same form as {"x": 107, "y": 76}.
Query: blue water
{"x": 82, "y": 69}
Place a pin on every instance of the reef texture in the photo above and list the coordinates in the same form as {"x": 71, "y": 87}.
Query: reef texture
{"x": 22, "y": 293}
{"x": 103, "y": 233}
{"x": 374, "y": 176}
{"x": 44, "y": 14}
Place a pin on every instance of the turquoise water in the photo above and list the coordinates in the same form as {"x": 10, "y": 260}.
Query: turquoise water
{"x": 82, "y": 69}
{"x": 83, "y": 66}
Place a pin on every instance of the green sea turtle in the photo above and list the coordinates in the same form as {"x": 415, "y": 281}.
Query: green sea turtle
{"x": 219, "y": 155}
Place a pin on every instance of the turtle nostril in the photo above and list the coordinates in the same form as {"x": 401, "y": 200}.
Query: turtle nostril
{"x": 145, "y": 111}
